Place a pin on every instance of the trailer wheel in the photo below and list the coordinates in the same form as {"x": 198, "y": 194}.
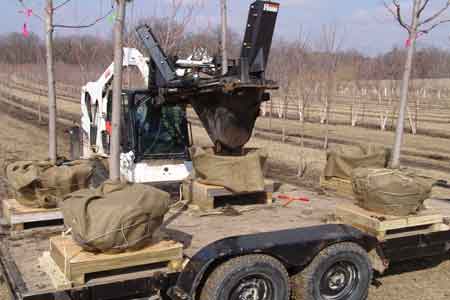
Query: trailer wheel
{"x": 251, "y": 277}
{"x": 340, "y": 272}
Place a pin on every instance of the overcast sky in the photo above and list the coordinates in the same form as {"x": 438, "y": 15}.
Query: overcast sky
{"x": 363, "y": 24}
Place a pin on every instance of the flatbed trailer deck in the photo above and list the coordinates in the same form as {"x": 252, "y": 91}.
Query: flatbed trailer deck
{"x": 293, "y": 235}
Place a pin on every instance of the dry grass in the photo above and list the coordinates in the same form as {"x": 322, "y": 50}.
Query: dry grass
{"x": 38, "y": 98}
{"x": 21, "y": 140}
{"x": 418, "y": 148}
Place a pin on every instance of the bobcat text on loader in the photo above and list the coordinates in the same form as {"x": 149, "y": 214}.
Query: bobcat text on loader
{"x": 313, "y": 262}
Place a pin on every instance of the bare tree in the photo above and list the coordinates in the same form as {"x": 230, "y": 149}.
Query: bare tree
{"x": 170, "y": 29}
{"x": 330, "y": 45}
{"x": 114, "y": 162}
{"x": 223, "y": 40}
{"x": 52, "y": 142}
{"x": 303, "y": 90}
{"x": 49, "y": 43}
{"x": 384, "y": 109}
{"x": 416, "y": 27}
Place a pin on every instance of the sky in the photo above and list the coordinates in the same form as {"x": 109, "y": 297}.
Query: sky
{"x": 363, "y": 25}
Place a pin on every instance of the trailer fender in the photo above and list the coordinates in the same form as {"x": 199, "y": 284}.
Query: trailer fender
{"x": 295, "y": 248}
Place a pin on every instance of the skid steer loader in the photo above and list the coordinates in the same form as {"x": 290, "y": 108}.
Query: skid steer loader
{"x": 154, "y": 130}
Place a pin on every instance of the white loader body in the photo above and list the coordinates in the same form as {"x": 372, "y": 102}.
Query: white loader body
{"x": 94, "y": 124}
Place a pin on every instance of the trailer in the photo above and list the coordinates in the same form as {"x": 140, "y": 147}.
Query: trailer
{"x": 325, "y": 249}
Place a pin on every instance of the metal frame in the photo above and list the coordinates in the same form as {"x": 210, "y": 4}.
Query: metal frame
{"x": 258, "y": 35}
{"x": 416, "y": 246}
{"x": 161, "y": 62}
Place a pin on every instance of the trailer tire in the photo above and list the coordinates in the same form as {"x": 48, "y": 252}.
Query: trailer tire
{"x": 244, "y": 276}
{"x": 340, "y": 272}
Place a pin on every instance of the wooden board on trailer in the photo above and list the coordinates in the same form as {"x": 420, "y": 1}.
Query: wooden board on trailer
{"x": 76, "y": 264}
{"x": 57, "y": 277}
{"x": 388, "y": 227}
{"x": 19, "y": 216}
{"x": 205, "y": 195}
{"x": 339, "y": 186}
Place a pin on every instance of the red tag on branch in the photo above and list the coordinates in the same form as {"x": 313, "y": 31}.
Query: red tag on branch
{"x": 25, "y": 30}
{"x": 409, "y": 40}
{"x": 408, "y": 43}
{"x": 27, "y": 12}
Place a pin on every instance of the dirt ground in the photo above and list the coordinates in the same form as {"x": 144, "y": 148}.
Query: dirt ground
{"x": 3, "y": 291}
{"x": 425, "y": 279}
{"x": 427, "y": 153}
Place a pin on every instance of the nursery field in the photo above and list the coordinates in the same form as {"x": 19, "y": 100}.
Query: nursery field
{"x": 292, "y": 145}
{"x": 297, "y": 145}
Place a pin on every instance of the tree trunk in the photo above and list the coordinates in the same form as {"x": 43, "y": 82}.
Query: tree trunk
{"x": 302, "y": 160}
{"x": 39, "y": 106}
{"x": 327, "y": 123}
{"x": 114, "y": 160}
{"x": 52, "y": 142}
{"x": 399, "y": 132}
{"x": 283, "y": 129}
{"x": 223, "y": 8}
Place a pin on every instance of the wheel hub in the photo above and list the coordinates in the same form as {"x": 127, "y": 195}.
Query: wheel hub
{"x": 249, "y": 294}
{"x": 339, "y": 281}
{"x": 253, "y": 289}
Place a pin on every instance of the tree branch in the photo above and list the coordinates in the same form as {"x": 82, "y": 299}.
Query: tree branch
{"x": 425, "y": 31}
{"x": 419, "y": 13}
{"x": 397, "y": 14}
{"x": 436, "y": 15}
{"x": 34, "y": 14}
{"x": 96, "y": 21}
{"x": 61, "y": 5}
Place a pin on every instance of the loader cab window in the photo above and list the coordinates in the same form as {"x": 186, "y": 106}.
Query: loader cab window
{"x": 161, "y": 131}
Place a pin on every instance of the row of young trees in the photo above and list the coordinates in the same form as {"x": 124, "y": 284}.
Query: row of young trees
{"x": 305, "y": 66}
{"x": 84, "y": 50}
{"x": 89, "y": 50}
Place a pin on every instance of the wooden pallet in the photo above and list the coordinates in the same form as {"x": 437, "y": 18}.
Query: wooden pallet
{"x": 340, "y": 187}
{"x": 20, "y": 217}
{"x": 208, "y": 197}
{"x": 385, "y": 227}
{"x": 78, "y": 266}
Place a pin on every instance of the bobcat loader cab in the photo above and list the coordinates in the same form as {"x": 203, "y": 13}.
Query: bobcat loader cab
{"x": 154, "y": 138}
